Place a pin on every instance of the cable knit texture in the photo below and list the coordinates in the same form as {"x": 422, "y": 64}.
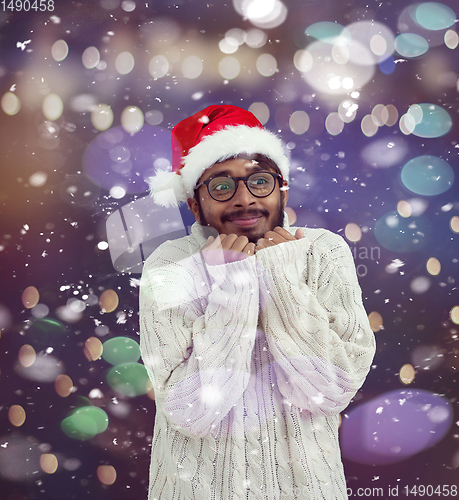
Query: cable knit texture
{"x": 251, "y": 362}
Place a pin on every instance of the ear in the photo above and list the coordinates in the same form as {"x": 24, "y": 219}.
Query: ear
{"x": 193, "y": 206}
{"x": 284, "y": 193}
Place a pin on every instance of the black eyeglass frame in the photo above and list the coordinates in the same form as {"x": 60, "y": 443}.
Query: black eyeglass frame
{"x": 245, "y": 179}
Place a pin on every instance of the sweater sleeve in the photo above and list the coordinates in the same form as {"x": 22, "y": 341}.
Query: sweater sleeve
{"x": 317, "y": 329}
{"x": 198, "y": 326}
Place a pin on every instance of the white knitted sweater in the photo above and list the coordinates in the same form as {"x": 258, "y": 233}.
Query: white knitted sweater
{"x": 252, "y": 362}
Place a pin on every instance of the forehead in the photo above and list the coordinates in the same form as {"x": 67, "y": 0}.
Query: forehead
{"x": 244, "y": 163}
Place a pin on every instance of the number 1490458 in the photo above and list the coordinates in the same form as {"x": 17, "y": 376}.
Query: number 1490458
{"x": 27, "y": 5}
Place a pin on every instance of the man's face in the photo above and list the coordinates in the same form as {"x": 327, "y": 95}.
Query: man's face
{"x": 243, "y": 214}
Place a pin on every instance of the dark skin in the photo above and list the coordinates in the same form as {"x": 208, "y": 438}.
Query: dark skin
{"x": 246, "y": 224}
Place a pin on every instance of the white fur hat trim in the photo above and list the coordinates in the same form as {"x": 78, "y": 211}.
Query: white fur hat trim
{"x": 170, "y": 188}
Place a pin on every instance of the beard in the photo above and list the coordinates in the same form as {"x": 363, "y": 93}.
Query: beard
{"x": 253, "y": 235}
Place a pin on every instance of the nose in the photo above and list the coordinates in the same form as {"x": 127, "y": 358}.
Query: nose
{"x": 243, "y": 197}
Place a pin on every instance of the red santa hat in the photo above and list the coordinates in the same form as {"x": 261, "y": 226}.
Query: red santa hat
{"x": 215, "y": 134}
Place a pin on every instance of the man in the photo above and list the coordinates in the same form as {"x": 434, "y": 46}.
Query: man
{"x": 255, "y": 336}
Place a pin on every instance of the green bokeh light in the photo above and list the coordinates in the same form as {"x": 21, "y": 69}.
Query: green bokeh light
{"x": 85, "y": 423}
{"x": 435, "y": 16}
{"x": 121, "y": 350}
{"x": 427, "y": 175}
{"x": 129, "y": 379}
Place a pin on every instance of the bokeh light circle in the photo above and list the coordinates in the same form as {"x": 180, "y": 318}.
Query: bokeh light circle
{"x": 90, "y": 57}
{"x": 49, "y": 463}
{"x": 434, "y": 15}
{"x": 52, "y": 107}
{"x": 261, "y": 111}
{"x": 106, "y": 474}
{"x": 299, "y": 122}
{"x": 129, "y": 379}
{"x": 229, "y": 67}
{"x": 10, "y": 103}
{"x": 59, "y": 50}
{"x": 402, "y": 234}
{"x": 266, "y": 64}
{"x": 132, "y": 119}
{"x": 121, "y": 350}
{"x": 85, "y": 423}
{"x": 429, "y": 120}
{"x": 411, "y": 45}
{"x": 427, "y": 175}
{"x": 159, "y": 66}
{"x": 124, "y": 63}
{"x": 102, "y": 117}
{"x": 30, "y": 297}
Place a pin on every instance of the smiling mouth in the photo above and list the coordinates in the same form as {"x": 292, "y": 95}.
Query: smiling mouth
{"x": 246, "y": 221}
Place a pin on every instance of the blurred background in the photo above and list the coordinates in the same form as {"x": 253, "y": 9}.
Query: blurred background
{"x": 365, "y": 96}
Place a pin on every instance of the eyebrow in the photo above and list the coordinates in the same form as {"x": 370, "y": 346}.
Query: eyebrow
{"x": 254, "y": 167}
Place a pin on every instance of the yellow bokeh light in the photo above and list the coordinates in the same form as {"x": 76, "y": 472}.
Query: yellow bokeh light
{"x": 159, "y": 66}
{"x": 451, "y": 39}
{"x": 108, "y": 300}
{"x": 93, "y": 348}
{"x": 30, "y": 297}
{"x": 59, "y": 50}
{"x": 368, "y": 126}
{"x": 229, "y": 67}
{"x": 407, "y": 124}
{"x": 353, "y": 232}
{"x": 261, "y": 111}
{"x": 299, "y": 122}
{"x": 16, "y": 415}
{"x": 124, "y": 63}
{"x": 380, "y": 114}
{"x": 132, "y": 119}
{"x": 454, "y": 315}
{"x": 192, "y": 67}
{"x": 102, "y": 117}
{"x": 106, "y": 474}
{"x": 303, "y": 60}
{"x": 90, "y": 57}
{"x": 376, "y": 321}
{"x": 266, "y": 65}
{"x": 48, "y": 463}
{"x": 63, "y": 385}
{"x": 407, "y": 373}
{"x": 27, "y": 355}
{"x": 433, "y": 266}
{"x": 392, "y": 115}
{"x": 334, "y": 124}
{"x": 404, "y": 208}
{"x": 454, "y": 224}
{"x": 52, "y": 107}
{"x": 10, "y": 103}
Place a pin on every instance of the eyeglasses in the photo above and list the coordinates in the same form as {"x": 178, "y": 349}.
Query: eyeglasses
{"x": 224, "y": 187}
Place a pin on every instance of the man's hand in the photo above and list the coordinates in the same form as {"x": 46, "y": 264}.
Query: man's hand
{"x": 278, "y": 235}
{"x": 227, "y": 248}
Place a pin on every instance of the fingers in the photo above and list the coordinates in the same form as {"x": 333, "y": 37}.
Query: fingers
{"x": 276, "y": 236}
{"x": 227, "y": 248}
{"x": 249, "y": 249}
{"x": 299, "y": 233}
